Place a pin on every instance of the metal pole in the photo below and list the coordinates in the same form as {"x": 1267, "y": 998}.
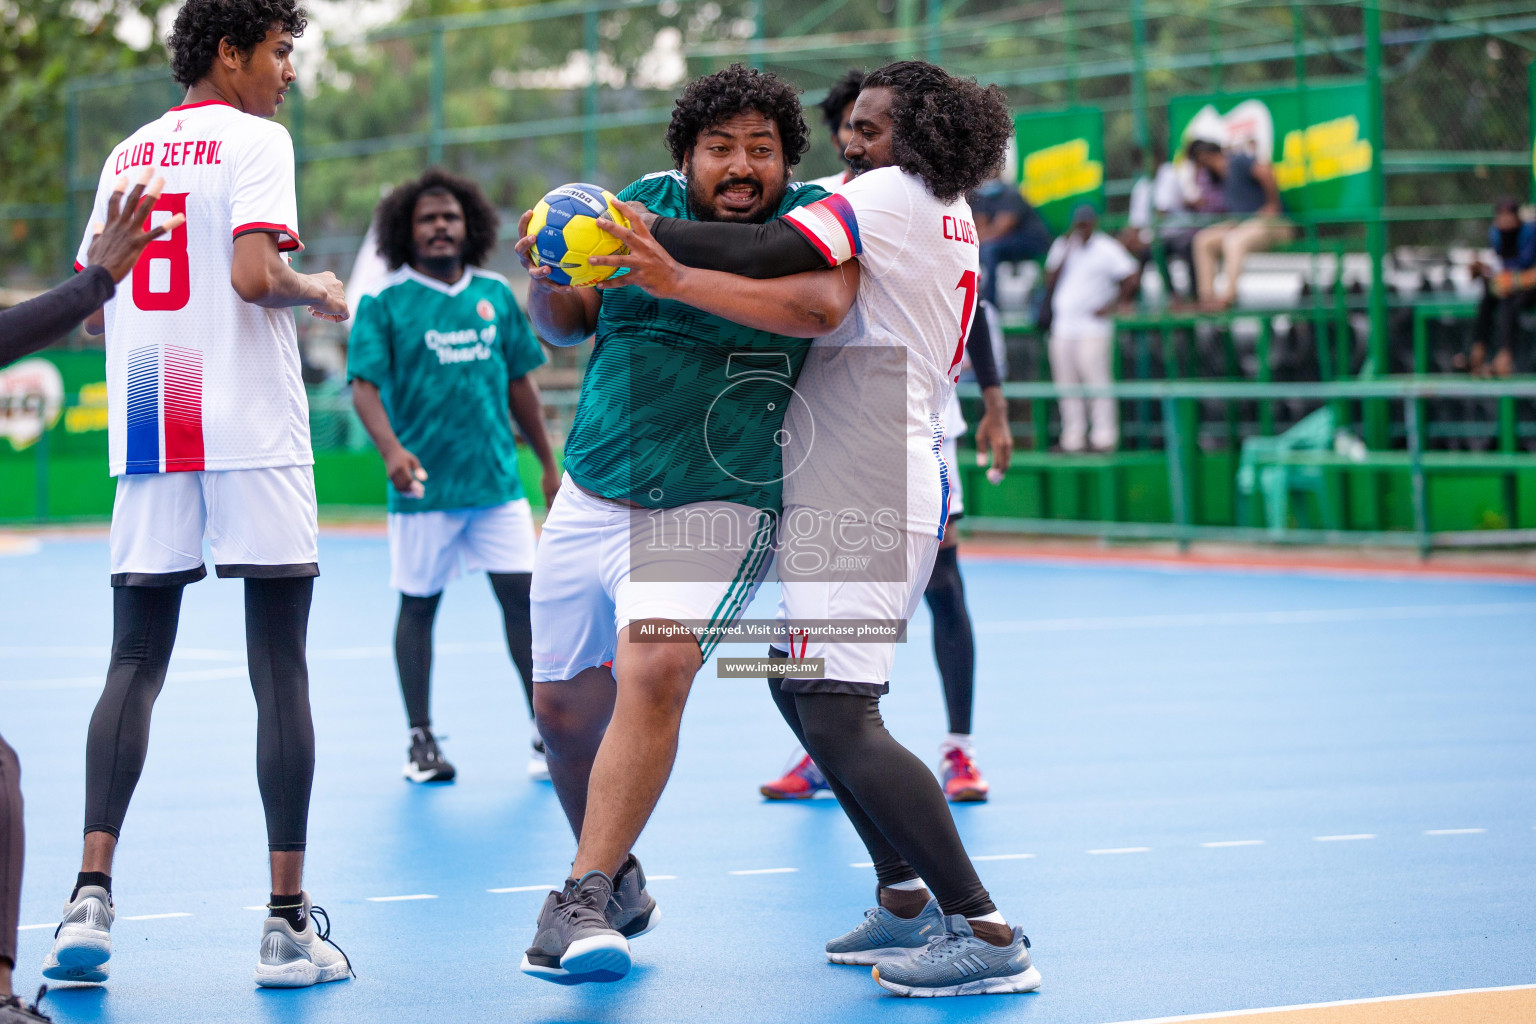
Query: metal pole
{"x": 1066, "y": 14}
{"x": 1178, "y": 498}
{"x": 1416, "y": 472}
{"x": 435, "y": 100}
{"x": 1139, "y": 83}
{"x": 298, "y": 154}
{"x": 589, "y": 99}
{"x": 72, "y": 232}
{"x": 1376, "y": 230}
{"x": 934, "y": 23}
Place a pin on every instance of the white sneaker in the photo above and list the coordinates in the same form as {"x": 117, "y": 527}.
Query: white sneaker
{"x": 538, "y": 765}
{"x": 299, "y": 958}
{"x": 82, "y": 945}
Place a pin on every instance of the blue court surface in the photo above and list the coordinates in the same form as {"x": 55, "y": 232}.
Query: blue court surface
{"x": 1212, "y": 790}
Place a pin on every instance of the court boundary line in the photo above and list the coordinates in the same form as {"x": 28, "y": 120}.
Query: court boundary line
{"x": 1334, "y": 1004}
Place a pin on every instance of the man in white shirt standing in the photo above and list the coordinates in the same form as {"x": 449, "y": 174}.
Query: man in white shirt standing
{"x": 208, "y": 436}
{"x": 1090, "y": 274}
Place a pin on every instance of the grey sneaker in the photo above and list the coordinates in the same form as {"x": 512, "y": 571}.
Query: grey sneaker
{"x": 956, "y": 963}
{"x": 575, "y": 942}
{"x": 299, "y": 958}
{"x": 82, "y": 944}
{"x": 14, "y": 1011}
{"x": 884, "y": 935}
{"x": 632, "y": 912}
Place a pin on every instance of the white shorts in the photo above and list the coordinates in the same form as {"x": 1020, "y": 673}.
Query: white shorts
{"x": 259, "y": 522}
{"x": 601, "y": 565}
{"x": 428, "y": 549}
{"x": 863, "y": 668}
{"x": 956, "y": 494}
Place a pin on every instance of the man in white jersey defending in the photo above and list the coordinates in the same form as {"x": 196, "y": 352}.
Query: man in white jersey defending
{"x": 837, "y": 111}
{"x": 921, "y": 139}
{"x": 208, "y": 435}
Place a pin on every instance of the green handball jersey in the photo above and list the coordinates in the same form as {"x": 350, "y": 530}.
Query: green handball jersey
{"x": 442, "y": 356}
{"x": 678, "y": 406}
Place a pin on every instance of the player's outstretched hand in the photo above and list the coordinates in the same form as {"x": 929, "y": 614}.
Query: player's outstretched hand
{"x": 405, "y": 472}
{"x": 333, "y": 306}
{"x": 650, "y": 266}
{"x": 524, "y": 249}
{"x": 122, "y": 238}
{"x": 994, "y": 438}
{"x": 549, "y": 483}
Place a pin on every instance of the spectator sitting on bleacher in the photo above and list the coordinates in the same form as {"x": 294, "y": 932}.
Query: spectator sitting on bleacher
{"x": 1090, "y": 275}
{"x": 1248, "y": 190}
{"x": 1513, "y": 242}
{"x": 1009, "y": 230}
{"x": 1159, "y": 197}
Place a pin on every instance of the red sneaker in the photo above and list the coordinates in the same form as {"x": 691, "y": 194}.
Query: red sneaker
{"x": 801, "y": 782}
{"x": 962, "y": 780}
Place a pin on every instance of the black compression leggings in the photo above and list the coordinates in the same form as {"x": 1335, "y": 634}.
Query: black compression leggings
{"x": 954, "y": 643}
{"x": 890, "y": 796}
{"x": 10, "y": 850}
{"x": 144, "y": 632}
{"x": 413, "y": 642}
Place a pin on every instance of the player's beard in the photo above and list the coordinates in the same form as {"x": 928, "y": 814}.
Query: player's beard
{"x": 440, "y": 266}
{"x": 703, "y": 208}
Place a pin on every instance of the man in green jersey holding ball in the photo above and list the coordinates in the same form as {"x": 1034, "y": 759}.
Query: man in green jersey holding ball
{"x": 666, "y": 515}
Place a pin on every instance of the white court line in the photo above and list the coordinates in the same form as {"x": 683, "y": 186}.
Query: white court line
{"x": 1224, "y": 1014}
{"x": 870, "y": 863}
{"x": 1344, "y": 839}
{"x": 1124, "y": 849}
{"x": 1454, "y": 831}
{"x": 661, "y": 878}
{"x": 765, "y": 871}
{"x": 1297, "y": 616}
{"x": 35, "y": 927}
{"x": 398, "y": 899}
{"x": 154, "y": 917}
{"x": 526, "y": 888}
{"x": 1232, "y": 842}
{"x": 259, "y": 906}
{"x": 1001, "y": 856}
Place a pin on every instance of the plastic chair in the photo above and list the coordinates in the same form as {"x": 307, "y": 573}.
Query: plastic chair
{"x": 1257, "y": 471}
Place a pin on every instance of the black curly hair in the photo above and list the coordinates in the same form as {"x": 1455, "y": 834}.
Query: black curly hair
{"x": 392, "y": 220}
{"x": 841, "y": 93}
{"x": 202, "y": 24}
{"x": 948, "y": 131}
{"x": 715, "y": 99}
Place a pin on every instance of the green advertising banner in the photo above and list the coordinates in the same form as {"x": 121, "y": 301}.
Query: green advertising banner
{"x": 1061, "y": 162}
{"x": 1318, "y": 139}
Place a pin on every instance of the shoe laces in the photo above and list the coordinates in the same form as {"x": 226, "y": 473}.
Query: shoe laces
{"x": 961, "y": 764}
{"x": 940, "y": 946}
{"x": 317, "y": 915}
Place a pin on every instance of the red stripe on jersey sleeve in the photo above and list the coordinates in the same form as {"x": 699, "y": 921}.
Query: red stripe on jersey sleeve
{"x": 78, "y": 267}
{"x": 289, "y": 244}
{"x": 816, "y": 243}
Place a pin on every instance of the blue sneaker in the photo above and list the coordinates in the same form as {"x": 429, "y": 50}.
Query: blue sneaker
{"x": 884, "y": 935}
{"x": 956, "y": 963}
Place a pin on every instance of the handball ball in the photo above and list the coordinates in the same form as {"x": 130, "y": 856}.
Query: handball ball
{"x": 565, "y": 232}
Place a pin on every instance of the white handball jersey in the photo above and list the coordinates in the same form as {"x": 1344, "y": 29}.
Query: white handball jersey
{"x": 917, "y": 290}
{"x": 197, "y": 378}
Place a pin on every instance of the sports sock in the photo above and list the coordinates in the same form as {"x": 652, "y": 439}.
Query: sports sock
{"x": 895, "y": 791}
{"x": 289, "y": 908}
{"x": 85, "y": 878}
{"x": 143, "y": 634}
{"x": 960, "y": 741}
{"x": 513, "y": 594}
{"x": 991, "y": 929}
{"x": 954, "y": 644}
{"x": 276, "y": 623}
{"x": 413, "y": 655}
{"x": 907, "y": 903}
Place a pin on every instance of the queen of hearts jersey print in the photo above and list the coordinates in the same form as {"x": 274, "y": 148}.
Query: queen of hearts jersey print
{"x": 917, "y": 292}
{"x": 197, "y": 378}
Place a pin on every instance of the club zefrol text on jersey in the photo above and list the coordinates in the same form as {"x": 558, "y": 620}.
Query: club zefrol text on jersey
{"x": 183, "y": 153}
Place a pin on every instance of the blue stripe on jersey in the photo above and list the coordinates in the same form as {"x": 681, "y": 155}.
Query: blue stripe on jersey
{"x": 143, "y": 410}
{"x": 937, "y": 425}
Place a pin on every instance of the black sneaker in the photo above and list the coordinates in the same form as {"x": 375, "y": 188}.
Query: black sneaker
{"x": 426, "y": 763}
{"x": 14, "y": 1011}
{"x": 632, "y": 912}
{"x": 575, "y": 942}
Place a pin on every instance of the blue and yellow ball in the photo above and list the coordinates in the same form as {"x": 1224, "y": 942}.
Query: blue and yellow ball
{"x": 565, "y": 232}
